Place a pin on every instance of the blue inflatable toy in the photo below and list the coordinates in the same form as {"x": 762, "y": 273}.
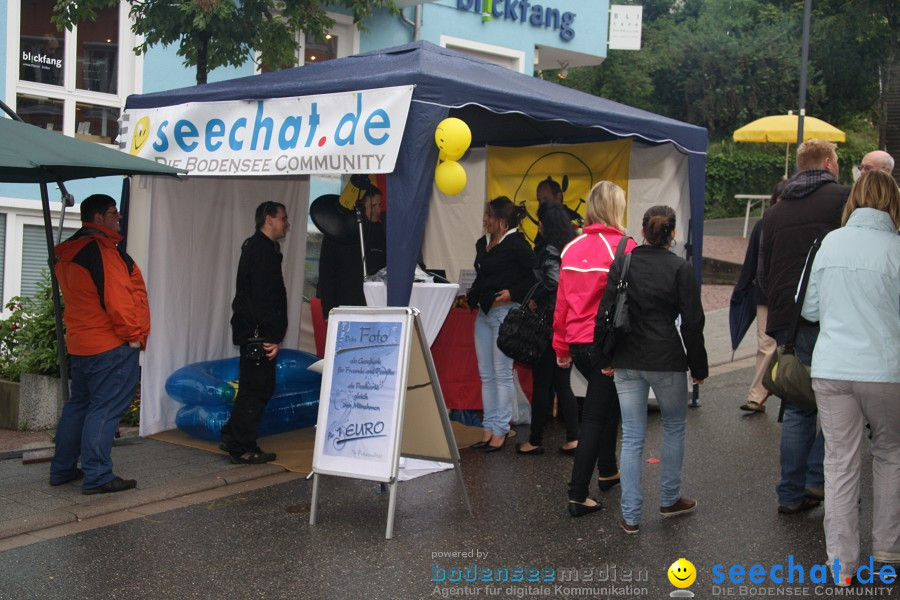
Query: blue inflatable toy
{"x": 207, "y": 389}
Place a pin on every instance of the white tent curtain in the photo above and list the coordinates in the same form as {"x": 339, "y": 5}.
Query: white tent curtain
{"x": 196, "y": 227}
{"x": 657, "y": 175}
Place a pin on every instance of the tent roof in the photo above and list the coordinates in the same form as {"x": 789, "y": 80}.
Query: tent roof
{"x": 461, "y": 83}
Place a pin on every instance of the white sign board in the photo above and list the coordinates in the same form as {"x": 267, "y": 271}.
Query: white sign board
{"x": 625, "y": 27}
{"x": 380, "y": 398}
{"x": 348, "y": 132}
{"x": 357, "y": 430}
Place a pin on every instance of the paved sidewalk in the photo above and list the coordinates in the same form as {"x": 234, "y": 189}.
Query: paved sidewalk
{"x": 171, "y": 476}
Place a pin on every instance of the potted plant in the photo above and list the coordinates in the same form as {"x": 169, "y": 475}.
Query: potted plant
{"x": 10, "y": 331}
{"x": 29, "y": 354}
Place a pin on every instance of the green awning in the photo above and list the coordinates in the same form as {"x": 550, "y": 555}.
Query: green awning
{"x": 29, "y": 154}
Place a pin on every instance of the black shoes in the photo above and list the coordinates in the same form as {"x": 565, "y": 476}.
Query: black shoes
{"x": 568, "y": 451}
{"x": 607, "y": 483}
{"x": 536, "y": 451}
{"x": 257, "y": 457}
{"x": 78, "y": 475}
{"x": 802, "y": 506}
{"x": 488, "y": 448}
{"x": 481, "y": 444}
{"x": 579, "y": 509}
{"x": 252, "y": 457}
{"x": 116, "y": 485}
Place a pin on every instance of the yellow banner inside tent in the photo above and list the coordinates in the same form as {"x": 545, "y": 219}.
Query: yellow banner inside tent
{"x": 516, "y": 173}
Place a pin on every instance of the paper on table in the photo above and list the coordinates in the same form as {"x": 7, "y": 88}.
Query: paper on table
{"x": 466, "y": 279}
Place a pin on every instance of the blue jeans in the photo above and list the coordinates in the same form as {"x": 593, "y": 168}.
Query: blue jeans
{"x": 102, "y": 389}
{"x": 496, "y": 370}
{"x": 802, "y": 446}
{"x": 671, "y": 392}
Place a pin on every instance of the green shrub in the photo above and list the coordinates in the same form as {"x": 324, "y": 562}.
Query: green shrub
{"x": 28, "y": 336}
{"x": 755, "y": 169}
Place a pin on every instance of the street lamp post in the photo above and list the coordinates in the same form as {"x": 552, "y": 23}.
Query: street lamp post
{"x": 804, "y": 63}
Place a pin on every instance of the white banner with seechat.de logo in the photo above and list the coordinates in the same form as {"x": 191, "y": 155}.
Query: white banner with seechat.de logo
{"x": 348, "y": 132}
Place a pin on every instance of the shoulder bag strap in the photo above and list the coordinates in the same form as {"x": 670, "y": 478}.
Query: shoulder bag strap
{"x": 620, "y": 250}
{"x": 801, "y": 293}
{"x": 530, "y": 293}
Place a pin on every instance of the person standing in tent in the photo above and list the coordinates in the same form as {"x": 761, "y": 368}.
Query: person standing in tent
{"x": 503, "y": 266}
{"x": 107, "y": 320}
{"x": 550, "y": 192}
{"x": 748, "y": 290}
{"x": 258, "y": 324}
{"x": 340, "y": 262}
{"x": 556, "y": 231}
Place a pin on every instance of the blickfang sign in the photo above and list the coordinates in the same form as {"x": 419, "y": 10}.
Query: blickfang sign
{"x": 349, "y": 132}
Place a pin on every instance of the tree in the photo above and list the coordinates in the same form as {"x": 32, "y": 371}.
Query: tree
{"x": 218, "y": 33}
{"x": 855, "y": 45}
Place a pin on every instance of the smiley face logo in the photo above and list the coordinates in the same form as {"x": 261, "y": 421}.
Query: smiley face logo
{"x": 682, "y": 573}
{"x": 141, "y": 133}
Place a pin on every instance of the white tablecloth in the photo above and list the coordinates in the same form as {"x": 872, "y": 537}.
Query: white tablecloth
{"x": 433, "y": 300}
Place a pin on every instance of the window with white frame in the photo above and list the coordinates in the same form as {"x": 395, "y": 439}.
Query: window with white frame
{"x": 341, "y": 40}
{"x": 23, "y": 245}
{"x": 74, "y": 82}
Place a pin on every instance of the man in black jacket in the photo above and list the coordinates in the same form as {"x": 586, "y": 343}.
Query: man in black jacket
{"x": 259, "y": 313}
{"x": 340, "y": 261}
{"x": 811, "y": 205}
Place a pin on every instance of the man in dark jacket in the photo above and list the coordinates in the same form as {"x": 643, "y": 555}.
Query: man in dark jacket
{"x": 340, "y": 261}
{"x": 811, "y": 205}
{"x": 259, "y": 312}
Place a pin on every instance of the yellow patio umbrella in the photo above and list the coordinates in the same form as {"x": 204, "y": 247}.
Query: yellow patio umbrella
{"x": 783, "y": 129}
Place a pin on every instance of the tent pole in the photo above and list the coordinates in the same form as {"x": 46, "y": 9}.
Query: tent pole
{"x": 57, "y": 307}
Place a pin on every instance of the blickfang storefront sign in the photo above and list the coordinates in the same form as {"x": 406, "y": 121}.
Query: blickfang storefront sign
{"x": 349, "y": 132}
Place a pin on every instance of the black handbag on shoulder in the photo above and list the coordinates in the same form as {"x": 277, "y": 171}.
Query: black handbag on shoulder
{"x": 615, "y": 323}
{"x": 524, "y": 335}
{"x": 785, "y": 376}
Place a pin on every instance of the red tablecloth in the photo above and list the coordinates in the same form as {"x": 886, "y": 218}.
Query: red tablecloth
{"x": 454, "y": 358}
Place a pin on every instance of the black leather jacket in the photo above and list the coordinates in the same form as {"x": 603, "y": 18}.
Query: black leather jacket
{"x": 260, "y": 297}
{"x": 546, "y": 271}
{"x": 661, "y": 286}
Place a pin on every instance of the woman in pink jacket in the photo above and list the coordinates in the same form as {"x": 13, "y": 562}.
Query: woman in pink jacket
{"x": 582, "y": 280}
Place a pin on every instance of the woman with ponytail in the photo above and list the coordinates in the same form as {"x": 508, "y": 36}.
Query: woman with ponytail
{"x": 661, "y": 287}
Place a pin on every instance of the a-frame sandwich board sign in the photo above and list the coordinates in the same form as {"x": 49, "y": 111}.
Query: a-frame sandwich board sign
{"x": 380, "y": 400}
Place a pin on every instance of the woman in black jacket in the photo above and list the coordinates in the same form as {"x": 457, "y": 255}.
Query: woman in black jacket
{"x": 661, "y": 287}
{"x": 556, "y": 231}
{"x": 503, "y": 263}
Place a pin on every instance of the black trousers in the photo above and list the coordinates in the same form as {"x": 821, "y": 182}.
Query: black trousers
{"x": 599, "y": 425}
{"x": 547, "y": 377}
{"x": 255, "y": 388}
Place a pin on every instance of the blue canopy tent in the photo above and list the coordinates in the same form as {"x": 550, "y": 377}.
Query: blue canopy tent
{"x": 502, "y": 107}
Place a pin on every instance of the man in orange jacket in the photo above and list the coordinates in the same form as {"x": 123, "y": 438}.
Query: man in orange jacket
{"x": 107, "y": 321}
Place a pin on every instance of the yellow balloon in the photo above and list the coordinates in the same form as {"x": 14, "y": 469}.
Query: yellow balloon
{"x": 450, "y": 177}
{"x": 453, "y": 138}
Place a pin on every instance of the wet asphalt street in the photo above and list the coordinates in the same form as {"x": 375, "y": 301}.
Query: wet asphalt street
{"x": 259, "y": 544}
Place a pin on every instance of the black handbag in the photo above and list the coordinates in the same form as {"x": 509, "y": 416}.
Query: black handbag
{"x": 524, "y": 335}
{"x": 615, "y": 323}
{"x": 785, "y": 376}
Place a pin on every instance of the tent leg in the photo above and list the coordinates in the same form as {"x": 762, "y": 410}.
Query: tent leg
{"x": 57, "y": 308}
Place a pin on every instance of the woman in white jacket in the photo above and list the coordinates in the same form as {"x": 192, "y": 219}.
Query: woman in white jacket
{"x": 854, "y": 294}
